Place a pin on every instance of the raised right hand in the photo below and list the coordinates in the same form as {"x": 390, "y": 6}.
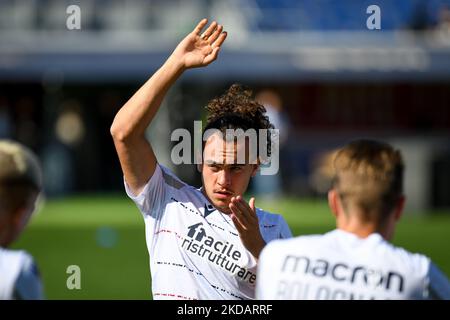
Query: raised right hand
{"x": 200, "y": 49}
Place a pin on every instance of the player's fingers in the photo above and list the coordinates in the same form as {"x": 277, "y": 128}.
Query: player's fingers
{"x": 247, "y": 209}
{"x": 237, "y": 212}
{"x": 208, "y": 32}
{"x": 200, "y": 26}
{"x": 220, "y": 40}
{"x": 252, "y": 205}
{"x": 243, "y": 208}
{"x": 237, "y": 224}
{"x": 212, "y": 56}
{"x": 216, "y": 34}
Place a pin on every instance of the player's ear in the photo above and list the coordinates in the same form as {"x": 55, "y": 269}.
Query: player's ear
{"x": 333, "y": 201}
{"x": 200, "y": 167}
{"x": 399, "y": 207}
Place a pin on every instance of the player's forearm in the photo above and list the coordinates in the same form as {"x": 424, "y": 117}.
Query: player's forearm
{"x": 135, "y": 116}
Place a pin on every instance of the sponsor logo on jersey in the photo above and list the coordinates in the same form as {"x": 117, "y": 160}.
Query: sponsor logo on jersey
{"x": 343, "y": 272}
{"x": 303, "y": 278}
{"x": 222, "y": 254}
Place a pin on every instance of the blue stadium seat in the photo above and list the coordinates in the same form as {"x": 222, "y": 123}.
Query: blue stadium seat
{"x": 289, "y": 15}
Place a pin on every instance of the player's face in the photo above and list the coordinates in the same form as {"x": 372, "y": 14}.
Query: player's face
{"x": 222, "y": 174}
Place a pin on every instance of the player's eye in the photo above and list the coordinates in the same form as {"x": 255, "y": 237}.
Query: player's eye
{"x": 236, "y": 168}
{"x": 214, "y": 168}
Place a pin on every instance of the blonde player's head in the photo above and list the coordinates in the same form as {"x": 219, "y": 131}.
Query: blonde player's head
{"x": 368, "y": 185}
{"x": 20, "y": 185}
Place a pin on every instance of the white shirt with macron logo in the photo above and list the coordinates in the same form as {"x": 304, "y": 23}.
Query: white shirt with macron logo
{"x": 339, "y": 265}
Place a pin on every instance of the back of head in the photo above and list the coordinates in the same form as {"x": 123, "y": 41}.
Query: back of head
{"x": 369, "y": 179}
{"x": 20, "y": 176}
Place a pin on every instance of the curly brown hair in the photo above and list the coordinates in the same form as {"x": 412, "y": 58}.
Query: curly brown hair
{"x": 237, "y": 109}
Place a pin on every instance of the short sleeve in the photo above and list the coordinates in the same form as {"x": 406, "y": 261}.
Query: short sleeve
{"x": 152, "y": 197}
{"x": 28, "y": 285}
{"x": 438, "y": 284}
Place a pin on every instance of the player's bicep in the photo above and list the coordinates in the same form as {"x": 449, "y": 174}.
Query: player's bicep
{"x": 137, "y": 160}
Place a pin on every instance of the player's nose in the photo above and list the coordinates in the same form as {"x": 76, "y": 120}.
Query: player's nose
{"x": 224, "y": 178}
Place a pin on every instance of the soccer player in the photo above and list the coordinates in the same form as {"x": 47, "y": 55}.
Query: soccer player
{"x": 203, "y": 243}
{"x": 355, "y": 261}
{"x": 20, "y": 185}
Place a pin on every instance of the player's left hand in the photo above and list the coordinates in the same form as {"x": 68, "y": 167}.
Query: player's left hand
{"x": 246, "y": 221}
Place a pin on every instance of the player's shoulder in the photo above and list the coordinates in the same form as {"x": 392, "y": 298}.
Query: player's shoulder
{"x": 417, "y": 263}
{"x": 170, "y": 178}
{"x": 382, "y": 249}
{"x": 181, "y": 190}
{"x": 14, "y": 258}
{"x": 21, "y": 279}
{"x": 303, "y": 243}
{"x": 266, "y": 217}
{"x": 162, "y": 179}
{"x": 273, "y": 226}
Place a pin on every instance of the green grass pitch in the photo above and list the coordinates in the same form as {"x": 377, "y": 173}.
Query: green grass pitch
{"x": 104, "y": 236}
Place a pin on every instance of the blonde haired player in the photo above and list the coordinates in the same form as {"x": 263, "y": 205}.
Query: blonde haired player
{"x": 355, "y": 261}
{"x": 20, "y": 185}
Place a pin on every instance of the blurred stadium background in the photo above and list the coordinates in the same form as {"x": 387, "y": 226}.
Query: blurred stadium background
{"x": 329, "y": 78}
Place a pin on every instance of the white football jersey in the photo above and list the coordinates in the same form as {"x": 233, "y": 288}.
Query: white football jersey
{"x": 19, "y": 277}
{"x": 195, "y": 250}
{"x": 340, "y": 265}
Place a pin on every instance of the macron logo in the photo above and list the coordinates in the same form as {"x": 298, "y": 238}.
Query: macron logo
{"x": 208, "y": 210}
